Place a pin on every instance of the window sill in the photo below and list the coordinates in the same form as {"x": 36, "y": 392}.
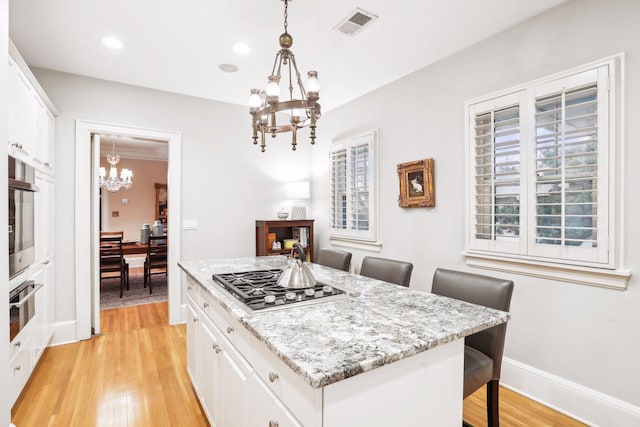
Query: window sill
{"x": 367, "y": 245}
{"x": 613, "y": 279}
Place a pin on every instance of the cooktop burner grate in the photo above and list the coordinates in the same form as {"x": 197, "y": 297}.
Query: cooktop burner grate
{"x": 259, "y": 290}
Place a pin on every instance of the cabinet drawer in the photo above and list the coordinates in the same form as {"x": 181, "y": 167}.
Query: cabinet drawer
{"x": 303, "y": 400}
{"x": 219, "y": 316}
{"x": 193, "y": 291}
{"x": 20, "y": 369}
{"x": 21, "y": 341}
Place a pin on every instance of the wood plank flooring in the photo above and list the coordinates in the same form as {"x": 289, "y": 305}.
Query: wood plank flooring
{"x": 135, "y": 374}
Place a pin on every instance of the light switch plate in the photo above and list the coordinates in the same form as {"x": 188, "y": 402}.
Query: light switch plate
{"x": 125, "y": 201}
{"x": 190, "y": 224}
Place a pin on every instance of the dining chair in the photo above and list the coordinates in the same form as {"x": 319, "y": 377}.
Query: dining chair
{"x": 156, "y": 259}
{"x": 339, "y": 260}
{"x": 483, "y": 350}
{"x": 389, "y": 270}
{"x": 112, "y": 261}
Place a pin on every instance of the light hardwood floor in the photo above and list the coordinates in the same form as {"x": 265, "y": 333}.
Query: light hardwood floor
{"x": 135, "y": 374}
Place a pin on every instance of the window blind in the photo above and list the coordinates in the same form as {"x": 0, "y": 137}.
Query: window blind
{"x": 359, "y": 187}
{"x": 339, "y": 189}
{"x": 497, "y": 174}
{"x": 566, "y": 142}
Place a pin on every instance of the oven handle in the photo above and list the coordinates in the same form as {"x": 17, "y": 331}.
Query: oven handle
{"x": 36, "y": 288}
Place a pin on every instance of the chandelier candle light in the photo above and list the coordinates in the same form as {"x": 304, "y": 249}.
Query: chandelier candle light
{"x": 112, "y": 183}
{"x": 303, "y": 112}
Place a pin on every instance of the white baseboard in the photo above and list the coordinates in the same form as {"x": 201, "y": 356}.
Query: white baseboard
{"x": 65, "y": 332}
{"x": 586, "y": 405}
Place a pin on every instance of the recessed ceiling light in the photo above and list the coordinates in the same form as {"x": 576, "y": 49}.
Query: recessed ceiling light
{"x": 228, "y": 68}
{"x": 241, "y": 48}
{"x": 112, "y": 42}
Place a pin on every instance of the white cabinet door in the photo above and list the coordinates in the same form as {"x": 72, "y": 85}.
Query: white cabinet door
{"x": 12, "y": 86}
{"x": 49, "y": 160}
{"x": 235, "y": 383}
{"x": 192, "y": 346}
{"x": 211, "y": 349}
{"x": 25, "y": 114}
{"x": 266, "y": 409}
{"x": 51, "y": 301}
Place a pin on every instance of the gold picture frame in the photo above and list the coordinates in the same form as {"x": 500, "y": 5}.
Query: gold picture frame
{"x": 161, "y": 203}
{"x": 417, "y": 189}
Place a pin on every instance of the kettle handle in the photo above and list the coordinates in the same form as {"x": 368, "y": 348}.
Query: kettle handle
{"x": 301, "y": 252}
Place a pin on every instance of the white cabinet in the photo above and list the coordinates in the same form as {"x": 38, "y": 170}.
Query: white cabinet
{"x": 231, "y": 392}
{"x": 266, "y": 409}
{"x": 44, "y": 216}
{"x": 21, "y": 111}
{"x": 31, "y": 116}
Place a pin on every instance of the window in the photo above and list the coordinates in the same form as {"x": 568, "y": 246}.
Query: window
{"x": 353, "y": 189}
{"x": 542, "y": 172}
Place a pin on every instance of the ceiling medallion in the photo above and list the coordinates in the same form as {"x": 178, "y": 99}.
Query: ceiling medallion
{"x": 263, "y": 105}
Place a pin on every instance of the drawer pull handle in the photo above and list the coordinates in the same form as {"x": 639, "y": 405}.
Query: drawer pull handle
{"x": 205, "y": 305}
{"x": 195, "y": 319}
{"x": 17, "y": 344}
{"x": 273, "y": 377}
{"x": 229, "y": 329}
{"x": 274, "y": 423}
{"x": 189, "y": 288}
{"x": 216, "y": 348}
{"x": 16, "y": 369}
{"x": 47, "y": 164}
{"x": 17, "y": 145}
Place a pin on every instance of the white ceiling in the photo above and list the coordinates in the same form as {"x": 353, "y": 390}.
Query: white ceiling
{"x": 177, "y": 46}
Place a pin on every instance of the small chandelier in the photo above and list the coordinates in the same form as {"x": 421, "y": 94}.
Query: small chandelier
{"x": 303, "y": 112}
{"x": 112, "y": 183}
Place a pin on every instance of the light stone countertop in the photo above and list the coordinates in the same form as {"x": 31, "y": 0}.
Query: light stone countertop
{"x": 333, "y": 340}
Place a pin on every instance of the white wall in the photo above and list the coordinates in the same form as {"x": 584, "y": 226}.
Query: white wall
{"x": 5, "y": 409}
{"x": 227, "y": 183}
{"x": 586, "y": 335}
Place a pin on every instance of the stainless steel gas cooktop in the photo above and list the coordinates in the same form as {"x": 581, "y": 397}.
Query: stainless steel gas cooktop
{"x": 259, "y": 290}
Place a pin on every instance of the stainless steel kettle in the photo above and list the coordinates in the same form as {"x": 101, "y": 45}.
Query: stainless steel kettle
{"x": 297, "y": 275}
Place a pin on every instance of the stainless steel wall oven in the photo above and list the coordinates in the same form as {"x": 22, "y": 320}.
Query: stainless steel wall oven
{"x": 22, "y": 307}
{"x": 21, "y": 216}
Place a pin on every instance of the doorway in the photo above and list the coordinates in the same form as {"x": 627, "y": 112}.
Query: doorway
{"x": 87, "y": 215}
{"x": 128, "y": 202}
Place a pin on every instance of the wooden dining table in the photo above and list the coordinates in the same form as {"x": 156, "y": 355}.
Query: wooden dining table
{"x": 134, "y": 248}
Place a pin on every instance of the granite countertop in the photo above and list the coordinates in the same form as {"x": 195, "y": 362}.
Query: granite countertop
{"x": 333, "y": 340}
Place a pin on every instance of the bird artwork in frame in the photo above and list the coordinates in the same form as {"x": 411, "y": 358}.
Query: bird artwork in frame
{"x": 417, "y": 188}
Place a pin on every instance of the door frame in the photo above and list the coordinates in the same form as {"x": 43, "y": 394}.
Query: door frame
{"x": 86, "y": 224}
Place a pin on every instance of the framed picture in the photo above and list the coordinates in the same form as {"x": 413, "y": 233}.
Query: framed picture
{"x": 161, "y": 203}
{"x": 416, "y": 184}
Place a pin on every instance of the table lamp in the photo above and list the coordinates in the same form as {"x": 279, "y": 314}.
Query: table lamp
{"x": 298, "y": 191}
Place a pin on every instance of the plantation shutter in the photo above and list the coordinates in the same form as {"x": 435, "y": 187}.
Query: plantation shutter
{"x": 339, "y": 189}
{"x": 496, "y": 179}
{"x": 570, "y": 145}
{"x": 353, "y": 188}
{"x": 359, "y": 187}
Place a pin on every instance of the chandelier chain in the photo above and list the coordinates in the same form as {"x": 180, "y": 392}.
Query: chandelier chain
{"x": 286, "y": 14}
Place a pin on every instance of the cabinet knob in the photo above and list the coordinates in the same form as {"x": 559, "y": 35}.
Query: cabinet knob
{"x": 273, "y": 377}
{"x": 17, "y": 145}
{"x": 17, "y": 344}
{"x": 274, "y": 423}
{"x": 47, "y": 164}
{"x": 189, "y": 288}
{"x": 16, "y": 369}
{"x": 229, "y": 329}
{"x": 205, "y": 305}
{"x": 216, "y": 348}
{"x": 195, "y": 319}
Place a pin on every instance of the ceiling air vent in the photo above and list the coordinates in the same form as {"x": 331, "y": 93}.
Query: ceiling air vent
{"x": 355, "y": 22}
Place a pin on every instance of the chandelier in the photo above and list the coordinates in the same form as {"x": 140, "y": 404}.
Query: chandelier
{"x": 263, "y": 105}
{"x": 112, "y": 183}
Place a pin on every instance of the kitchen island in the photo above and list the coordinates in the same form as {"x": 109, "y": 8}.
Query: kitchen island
{"x": 389, "y": 356}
